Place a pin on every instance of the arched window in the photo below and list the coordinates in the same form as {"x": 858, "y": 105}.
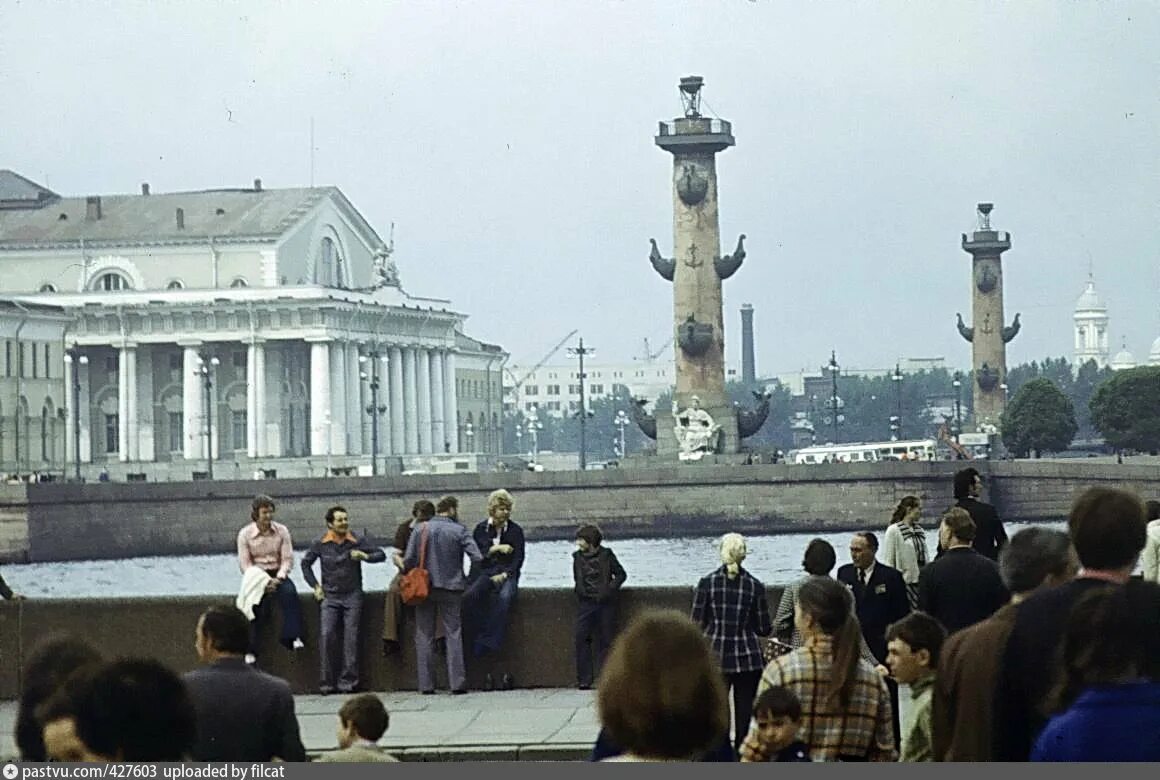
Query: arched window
{"x": 111, "y": 282}
{"x": 175, "y": 284}
{"x": 239, "y": 282}
{"x": 48, "y": 287}
{"x": 331, "y": 269}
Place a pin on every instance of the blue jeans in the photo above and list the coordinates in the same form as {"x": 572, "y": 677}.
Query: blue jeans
{"x": 338, "y": 639}
{"x": 485, "y": 611}
{"x": 286, "y": 596}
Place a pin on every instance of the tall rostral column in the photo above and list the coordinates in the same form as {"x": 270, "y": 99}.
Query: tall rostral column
{"x": 696, "y": 271}
{"x": 988, "y": 335}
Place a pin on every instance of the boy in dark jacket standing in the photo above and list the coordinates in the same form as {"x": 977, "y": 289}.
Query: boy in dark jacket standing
{"x": 341, "y": 594}
{"x": 598, "y": 575}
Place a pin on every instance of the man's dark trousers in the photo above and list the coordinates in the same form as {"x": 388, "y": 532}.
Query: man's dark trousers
{"x": 595, "y": 622}
{"x": 339, "y": 638}
{"x": 485, "y": 610}
{"x": 286, "y": 596}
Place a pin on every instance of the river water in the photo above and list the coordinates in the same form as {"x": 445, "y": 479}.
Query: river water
{"x": 775, "y": 559}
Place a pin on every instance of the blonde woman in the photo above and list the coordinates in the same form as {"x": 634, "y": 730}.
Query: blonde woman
{"x": 904, "y": 547}
{"x": 730, "y": 607}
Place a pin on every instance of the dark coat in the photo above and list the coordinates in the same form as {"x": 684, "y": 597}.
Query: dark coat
{"x": 880, "y": 603}
{"x": 243, "y": 714}
{"x": 989, "y": 533}
{"x": 1029, "y": 667}
{"x": 507, "y": 563}
{"x": 961, "y": 588}
{"x": 598, "y": 575}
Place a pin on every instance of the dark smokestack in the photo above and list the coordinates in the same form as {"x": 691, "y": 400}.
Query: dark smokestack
{"x": 181, "y": 219}
{"x": 93, "y": 208}
{"x": 144, "y": 188}
{"x": 748, "y": 368}
{"x": 257, "y": 185}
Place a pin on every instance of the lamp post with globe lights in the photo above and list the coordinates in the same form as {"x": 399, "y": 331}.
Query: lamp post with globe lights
{"x": 835, "y": 401}
{"x": 534, "y": 428}
{"x": 896, "y": 421}
{"x": 957, "y": 384}
{"x": 205, "y": 368}
{"x": 371, "y": 360}
{"x": 621, "y": 421}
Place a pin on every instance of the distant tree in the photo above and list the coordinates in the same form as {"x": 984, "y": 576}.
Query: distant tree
{"x": 1039, "y": 418}
{"x": 1126, "y": 409}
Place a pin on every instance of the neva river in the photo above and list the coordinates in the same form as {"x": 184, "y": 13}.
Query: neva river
{"x": 775, "y": 559}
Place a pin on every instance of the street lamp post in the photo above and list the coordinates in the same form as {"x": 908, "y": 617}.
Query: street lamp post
{"x": 620, "y": 421}
{"x": 896, "y": 421}
{"x": 580, "y": 351}
{"x": 834, "y": 368}
{"x": 73, "y": 355}
{"x": 205, "y": 366}
{"x": 374, "y": 408}
{"x": 957, "y": 384}
{"x": 534, "y": 428}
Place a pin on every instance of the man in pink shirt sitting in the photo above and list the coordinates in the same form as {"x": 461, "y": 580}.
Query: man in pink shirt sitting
{"x": 267, "y": 545}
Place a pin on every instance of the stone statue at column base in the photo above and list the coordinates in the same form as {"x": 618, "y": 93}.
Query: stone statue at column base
{"x": 696, "y": 431}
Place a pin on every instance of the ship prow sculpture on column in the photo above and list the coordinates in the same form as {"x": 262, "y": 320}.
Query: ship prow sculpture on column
{"x": 704, "y": 420}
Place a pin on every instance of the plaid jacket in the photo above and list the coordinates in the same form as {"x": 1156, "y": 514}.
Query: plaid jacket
{"x": 733, "y": 614}
{"x": 863, "y": 730}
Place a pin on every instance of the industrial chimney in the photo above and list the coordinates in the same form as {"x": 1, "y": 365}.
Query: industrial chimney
{"x": 748, "y": 369}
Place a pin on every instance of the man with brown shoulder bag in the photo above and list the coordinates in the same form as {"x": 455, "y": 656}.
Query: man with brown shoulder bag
{"x": 438, "y": 545}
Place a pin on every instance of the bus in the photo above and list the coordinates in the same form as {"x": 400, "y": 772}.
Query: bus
{"x": 865, "y": 452}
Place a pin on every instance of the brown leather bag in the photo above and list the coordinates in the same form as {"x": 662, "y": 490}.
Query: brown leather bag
{"x": 415, "y": 585}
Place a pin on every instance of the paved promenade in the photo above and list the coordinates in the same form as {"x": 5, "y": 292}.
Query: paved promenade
{"x": 551, "y": 724}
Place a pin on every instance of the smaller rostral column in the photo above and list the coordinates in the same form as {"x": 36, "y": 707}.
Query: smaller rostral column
{"x": 702, "y": 419}
{"x": 987, "y": 334}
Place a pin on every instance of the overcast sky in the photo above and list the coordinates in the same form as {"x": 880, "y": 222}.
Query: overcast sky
{"x": 512, "y": 146}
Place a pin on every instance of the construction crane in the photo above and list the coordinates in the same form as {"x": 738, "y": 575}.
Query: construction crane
{"x": 650, "y": 356}
{"x": 519, "y": 383}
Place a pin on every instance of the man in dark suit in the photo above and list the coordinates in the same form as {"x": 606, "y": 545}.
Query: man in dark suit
{"x": 1108, "y": 530}
{"x": 879, "y": 599}
{"x": 990, "y": 535}
{"x": 962, "y": 587}
{"x": 243, "y": 714}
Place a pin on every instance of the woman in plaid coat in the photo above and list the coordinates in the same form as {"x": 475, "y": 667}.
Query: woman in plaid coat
{"x": 730, "y": 607}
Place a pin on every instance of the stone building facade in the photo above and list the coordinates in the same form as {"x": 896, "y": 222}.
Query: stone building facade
{"x": 251, "y": 326}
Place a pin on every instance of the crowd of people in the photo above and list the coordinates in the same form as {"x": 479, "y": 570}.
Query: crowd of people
{"x": 1041, "y": 646}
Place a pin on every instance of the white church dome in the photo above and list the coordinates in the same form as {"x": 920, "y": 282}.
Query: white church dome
{"x": 1089, "y": 300}
{"x": 1122, "y": 360}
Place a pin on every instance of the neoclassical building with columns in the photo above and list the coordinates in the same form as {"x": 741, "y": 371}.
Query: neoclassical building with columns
{"x": 266, "y": 329}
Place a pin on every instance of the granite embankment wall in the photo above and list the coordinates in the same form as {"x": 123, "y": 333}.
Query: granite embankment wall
{"x": 58, "y": 521}
{"x": 538, "y": 650}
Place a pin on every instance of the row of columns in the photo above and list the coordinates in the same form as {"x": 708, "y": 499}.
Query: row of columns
{"x": 417, "y": 385}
